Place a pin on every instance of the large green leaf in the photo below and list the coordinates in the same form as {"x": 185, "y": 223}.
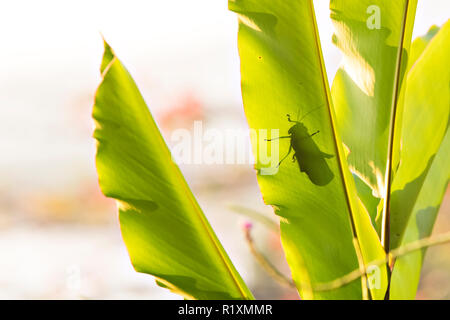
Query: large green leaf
{"x": 324, "y": 227}
{"x": 406, "y": 274}
{"x": 366, "y": 89}
{"x": 425, "y": 122}
{"x": 162, "y": 225}
{"x": 424, "y": 171}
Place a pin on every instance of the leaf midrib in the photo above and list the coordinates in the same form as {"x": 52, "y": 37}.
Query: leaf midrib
{"x": 385, "y": 233}
{"x": 325, "y": 87}
{"x": 204, "y": 222}
{"x": 195, "y": 205}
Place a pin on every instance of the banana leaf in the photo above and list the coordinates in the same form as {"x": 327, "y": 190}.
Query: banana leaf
{"x": 425, "y": 123}
{"x": 325, "y": 229}
{"x": 164, "y": 229}
{"x": 374, "y": 37}
{"x": 423, "y": 174}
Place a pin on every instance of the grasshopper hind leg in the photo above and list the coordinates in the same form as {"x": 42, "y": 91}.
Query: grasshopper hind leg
{"x": 290, "y": 150}
{"x": 282, "y": 137}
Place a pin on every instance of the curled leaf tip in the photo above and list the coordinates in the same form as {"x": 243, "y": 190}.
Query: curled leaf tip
{"x": 108, "y": 56}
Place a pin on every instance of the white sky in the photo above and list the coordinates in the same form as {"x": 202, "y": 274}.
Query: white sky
{"x": 51, "y": 50}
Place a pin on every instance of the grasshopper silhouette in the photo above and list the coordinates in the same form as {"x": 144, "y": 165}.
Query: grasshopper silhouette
{"x": 308, "y": 155}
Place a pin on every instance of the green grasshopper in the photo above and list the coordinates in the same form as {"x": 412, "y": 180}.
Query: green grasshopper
{"x": 306, "y": 152}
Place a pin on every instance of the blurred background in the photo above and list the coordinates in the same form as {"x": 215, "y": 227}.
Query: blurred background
{"x": 59, "y": 236}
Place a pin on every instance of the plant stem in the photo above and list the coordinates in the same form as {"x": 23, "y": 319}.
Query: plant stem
{"x": 341, "y": 158}
{"x": 265, "y": 263}
{"x": 401, "y": 251}
{"x": 386, "y": 218}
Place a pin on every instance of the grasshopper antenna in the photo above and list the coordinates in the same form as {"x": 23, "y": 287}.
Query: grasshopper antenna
{"x": 289, "y": 118}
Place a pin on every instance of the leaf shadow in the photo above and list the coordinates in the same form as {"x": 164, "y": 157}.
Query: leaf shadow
{"x": 403, "y": 202}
